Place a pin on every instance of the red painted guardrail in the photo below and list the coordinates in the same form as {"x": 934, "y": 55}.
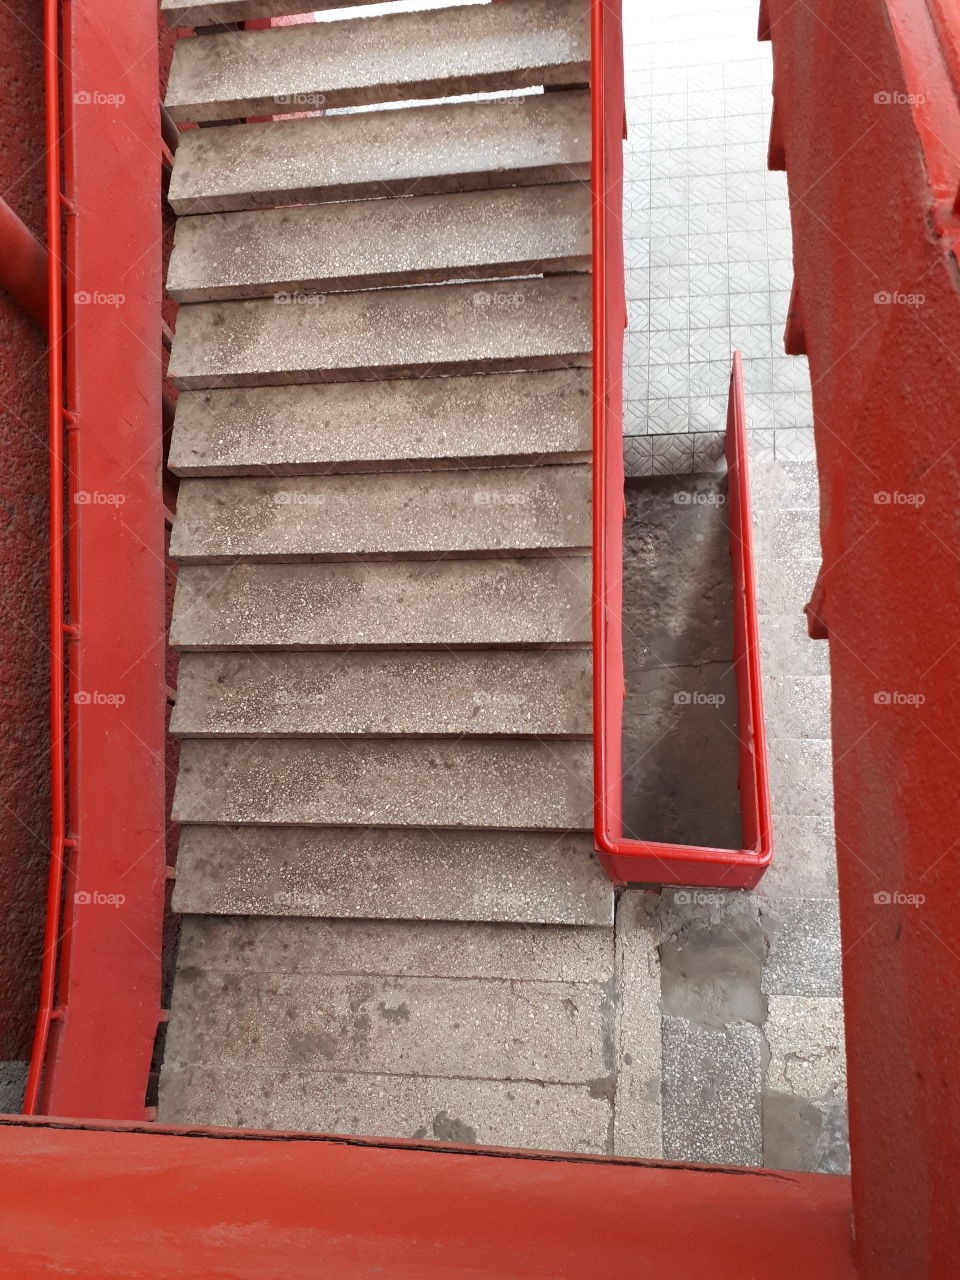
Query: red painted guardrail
{"x": 628, "y": 860}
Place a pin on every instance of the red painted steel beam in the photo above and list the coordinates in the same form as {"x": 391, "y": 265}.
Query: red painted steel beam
{"x": 23, "y": 265}
{"x": 256, "y": 1207}
{"x": 102, "y": 1030}
{"x": 870, "y": 117}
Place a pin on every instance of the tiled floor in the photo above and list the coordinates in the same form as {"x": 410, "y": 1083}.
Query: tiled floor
{"x": 752, "y": 1055}
{"x": 707, "y": 241}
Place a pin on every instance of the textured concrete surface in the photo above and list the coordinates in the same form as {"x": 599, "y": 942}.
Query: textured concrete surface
{"x": 502, "y": 325}
{"x": 461, "y": 147}
{"x": 804, "y": 947}
{"x": 188, "y": 13}
{"x": 804, "y": 1100}
{"x": 558, "y": 1117}
{"x": 296, "y": 694}
{"x": 412, "y": 513}
{"x": 509, "y": 783}
{"x": 388, "y": 947}
{"x": 680, "y": 752}
{"x": 13, "y": 1082}
{"x": 440, "y": 53}
{"x": 638, "y": 1120}
{"x": 372, "y": 243}
{"x": 371, "y": 873}
{"x": 380, "y": 425}
{"x": 447, "y": 603}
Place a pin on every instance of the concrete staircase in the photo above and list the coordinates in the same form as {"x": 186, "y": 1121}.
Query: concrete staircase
{"x": 394, "y": 920}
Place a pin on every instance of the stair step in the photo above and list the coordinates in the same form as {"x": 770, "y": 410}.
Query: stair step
{"x": 401, "y": 874}
{"x": 489, "y": 692}
{"x": 410, "y": 1026}
{"x": 514, "y": 784}
{"x": 373, "y": 243}
{"x": 433, "y": 54}
{"x": 382, "y": 425}
{"x": 208, "y": 13}
{"x": 385, "y": 333}
{"x": 420, "y": 603}
{"x": 412, "y": 513}
{"x": 414, "y": 151}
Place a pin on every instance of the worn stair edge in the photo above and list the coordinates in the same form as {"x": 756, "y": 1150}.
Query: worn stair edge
{"x": 306, "y": 518}
{"x": 557, "y": 1032}
{"x": 369, "y": 873}
{"x": 209, "y": 13}
{"x": 501, "y": 1113}
{"x": 495, "y": 783}
{"x": 378, "y": 243}
{"x": 490, "y": 693}
{"x": 437, "y": 53}
{"x": 419, "y": 604}
{"x": 386, "y": 333}
{"x": 528, "y": 140}
{"x": 422, "y": 422}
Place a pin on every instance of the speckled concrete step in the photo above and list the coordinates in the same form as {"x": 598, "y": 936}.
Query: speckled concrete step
{"x": 401, "y": 873}
{"x": 412, "y": 513}
{"x": 373, "y": 243}
{"x": 382, "y": 425}
{"x": 432, "y": 54}
{"x": 500, "y": 783}
{"x": 207, "y": 13}
{"x": 491, "y": 692}
{"x": 385, "y": 333}
{"x": 415, "y": 151}
{"x": 466, "y": 602}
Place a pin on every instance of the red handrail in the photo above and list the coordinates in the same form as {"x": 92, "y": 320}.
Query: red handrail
{"x": 639, "y": 861}
{"x": 58, "y": 804}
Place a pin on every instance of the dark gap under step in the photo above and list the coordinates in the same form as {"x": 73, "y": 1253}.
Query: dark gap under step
{"x": 680, "y": 747}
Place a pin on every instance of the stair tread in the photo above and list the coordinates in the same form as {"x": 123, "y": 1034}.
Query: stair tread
{"x": 373, "y": 425}
{"x": 414, "y": 151}
{"x": 488, "y": 692}
{"x": 512, "y": 784}
{"x": 373, "y": 243}
{"x": 410, "y": 513}
{"x": 380, "y": 333}
{"x": 447, "y": 603}
{"x": 207, "y": 13}
{"x": 370, "y": 873}
{"x": 436, "y": 53}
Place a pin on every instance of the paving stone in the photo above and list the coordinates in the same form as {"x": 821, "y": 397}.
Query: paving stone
{"x": 206, "y": 13}
{"x": 550, "y": 1032}
{"x": 796, "y": 706}
{"x": 337, "y": 605}
{"x": 433, "y": 782}
{"x": 638, "y": 1107}
{"x": 804, "y": 941}
{"x": 390, "y": 693}
{"x": 417, "y": 151}
{"x": 806, "y": 1041}
{"x": 433, "y": 949}
{"x": 786, "y": 650}
{"x": 385, "y": 333}
{"x": 784, "y": 486}
{"x": 398, "y": 874}
{"x": 804, "y": 859}
{"x": 380, "y": 425}
{"x": 373, "y": 243}
{"x": 412, "y": 513}
{"x": 711, "y": 1092}
{"x": 437, "y": 53}
{"x": 806, "y": 1137}
{"x": 801, "y": 776}
{"x": 547, "y": 1117}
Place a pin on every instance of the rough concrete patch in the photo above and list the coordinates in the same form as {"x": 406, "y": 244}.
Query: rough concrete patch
{"x": 638, "y": 1107}
{"x": 712, "y": 951}
{"x": 804, "y": 941}
{"x": 13, "y": 1080}
{"x": 807, "y": 1057}
{"x": 804, "y": 1136}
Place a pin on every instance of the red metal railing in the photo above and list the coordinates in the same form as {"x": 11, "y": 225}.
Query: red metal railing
{"x": 627, "y": 860}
